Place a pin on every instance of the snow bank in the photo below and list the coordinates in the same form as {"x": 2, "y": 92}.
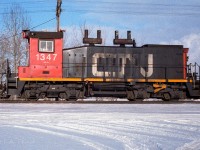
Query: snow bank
{"x": 90, "y": 126}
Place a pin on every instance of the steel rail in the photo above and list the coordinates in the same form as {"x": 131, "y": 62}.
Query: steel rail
{"x": 99, "y": 102}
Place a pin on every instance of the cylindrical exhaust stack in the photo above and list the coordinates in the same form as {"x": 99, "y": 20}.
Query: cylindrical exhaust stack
{"x": 116, "y": 41}
{"x": 129, "y": 35}
{"x": 123, "y": 42}
{"x": 92, "y": 41}
{"x": 86, "y": 34}
{"x": 116, "y": 35}
{"x": 98, "y": 34}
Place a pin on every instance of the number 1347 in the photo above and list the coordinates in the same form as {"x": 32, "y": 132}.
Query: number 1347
{"x": 44, "y": 57}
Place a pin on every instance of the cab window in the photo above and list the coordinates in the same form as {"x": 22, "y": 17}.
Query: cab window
{"x": 46, "y": 46}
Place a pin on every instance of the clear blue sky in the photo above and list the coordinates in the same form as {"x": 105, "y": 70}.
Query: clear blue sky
{"x": 151, "y": 21}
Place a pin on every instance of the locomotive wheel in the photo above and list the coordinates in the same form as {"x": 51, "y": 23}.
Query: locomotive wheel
{"x": 26, "y": 94}
{"x": 42, "y": 96}
{"x": 63, "y": 96}
{"x": 166, "y": 97}
{"x": 130, "y": 95}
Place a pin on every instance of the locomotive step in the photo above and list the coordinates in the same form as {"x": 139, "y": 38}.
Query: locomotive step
{"x": 12, "y": 80}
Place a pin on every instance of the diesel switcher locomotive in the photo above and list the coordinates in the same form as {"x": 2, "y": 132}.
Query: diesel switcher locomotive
{"x": 122, "y": 71}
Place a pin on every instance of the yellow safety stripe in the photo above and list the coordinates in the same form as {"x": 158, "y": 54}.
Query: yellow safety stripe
{"x": 158, "y": 80}
{"x": 50, "y": 79}
{"x": 106, "y": 80}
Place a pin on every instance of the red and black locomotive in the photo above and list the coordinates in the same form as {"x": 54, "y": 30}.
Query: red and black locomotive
{"x": 123, "y": 70}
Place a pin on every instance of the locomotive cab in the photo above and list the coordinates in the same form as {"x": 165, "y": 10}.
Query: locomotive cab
{"x": 45, "y": 55}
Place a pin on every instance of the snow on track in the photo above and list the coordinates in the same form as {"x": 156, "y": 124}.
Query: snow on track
{"x": 99, "y": 127}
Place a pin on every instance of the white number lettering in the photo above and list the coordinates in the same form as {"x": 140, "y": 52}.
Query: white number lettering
{"x": 55, "y": 55}
{"x": 38, "y": 57}
{"x": 44, "y": 57}
{"x": 48, "y": 57}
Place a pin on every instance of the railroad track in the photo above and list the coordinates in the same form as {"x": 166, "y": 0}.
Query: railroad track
{"x": 101, "y": 102}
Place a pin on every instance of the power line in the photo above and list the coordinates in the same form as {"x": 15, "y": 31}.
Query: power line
{"x": 74, "y": 2}
{"x": 29, "y": 12}
{"x": 43, "y": 23}
{"x": 134, "y": 3}
{"x": 30, "y": 29}
{"x": 127, "y": 12}
{"x": 101, "y": 8}
{"x": 22, "y": 2}
{"x": 30, "y": 2}
{"x": 113, "y": 10}
{"x": 132, "y": 12}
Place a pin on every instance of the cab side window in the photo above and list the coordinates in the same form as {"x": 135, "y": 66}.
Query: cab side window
{"x": 46, "y": 46}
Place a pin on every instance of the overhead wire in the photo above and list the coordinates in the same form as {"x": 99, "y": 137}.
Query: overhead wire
{"x": 30, "y": 2}
{"x": 104, "y": 4}
{"x": 135, "y": 3}
{"x": 43, "y": 23}
{"x": 133, "y": 12}
{"x": 30, "y": 12}
{"x": 22, "y": 2}
{"x": 30, "y": 29}
{"x": 128, "y": 12}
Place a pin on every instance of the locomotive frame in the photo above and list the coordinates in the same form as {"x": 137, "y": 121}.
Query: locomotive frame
{"x": 124, "y": 71}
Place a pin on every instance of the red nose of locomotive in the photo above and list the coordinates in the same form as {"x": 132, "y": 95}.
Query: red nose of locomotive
{"x": 45, "y": 55}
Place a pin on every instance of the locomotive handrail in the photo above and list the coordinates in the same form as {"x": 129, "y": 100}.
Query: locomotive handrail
{"x": 194, "y": 70}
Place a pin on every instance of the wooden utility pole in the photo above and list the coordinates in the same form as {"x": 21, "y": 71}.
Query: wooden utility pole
{"x": 58, "y": 12}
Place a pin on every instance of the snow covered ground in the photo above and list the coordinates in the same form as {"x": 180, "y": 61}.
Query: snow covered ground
{"x": 101, "y": 127}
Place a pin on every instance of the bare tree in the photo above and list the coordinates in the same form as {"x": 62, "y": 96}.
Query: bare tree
{"x": 14, "y": 21}
{"x": 3, "y": 55}
{"x": 74, "y": 35}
